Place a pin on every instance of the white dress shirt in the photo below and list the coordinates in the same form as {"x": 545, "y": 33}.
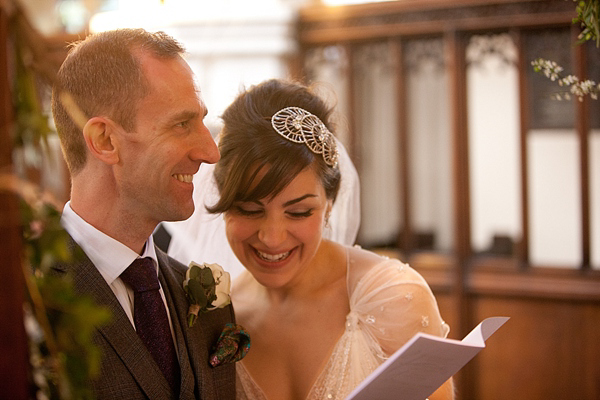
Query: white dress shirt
{"x": 110, "y": 257}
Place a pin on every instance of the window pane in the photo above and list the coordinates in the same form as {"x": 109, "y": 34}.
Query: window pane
{"x": 494, "y": 160}
{"x": 553, "y": 158}
{"x": 545, "y": 111}
{"x": 327, "y": 67}
{"x": 430, "y": 144}
{"x": 376, "y": 130}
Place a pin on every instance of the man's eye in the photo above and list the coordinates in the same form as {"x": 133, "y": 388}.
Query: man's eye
{"x": 183, "y": 124}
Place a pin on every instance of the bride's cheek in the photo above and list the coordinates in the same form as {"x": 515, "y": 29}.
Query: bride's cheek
{"x": 238, "y": 229}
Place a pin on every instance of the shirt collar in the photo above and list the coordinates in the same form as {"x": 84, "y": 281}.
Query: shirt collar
{"x": 110, "y": 256}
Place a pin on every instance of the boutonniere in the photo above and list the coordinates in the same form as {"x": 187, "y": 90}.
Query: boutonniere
{"x": 207, "y": 288}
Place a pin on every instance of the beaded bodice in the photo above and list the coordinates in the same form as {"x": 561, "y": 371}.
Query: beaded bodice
{"x": 389, "y": 303}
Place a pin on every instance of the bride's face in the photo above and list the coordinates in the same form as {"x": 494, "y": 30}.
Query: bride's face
{"x": 277, "y": 238}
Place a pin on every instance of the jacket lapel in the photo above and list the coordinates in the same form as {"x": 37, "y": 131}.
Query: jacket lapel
{"x": 195, "y": 343}
{"x": 169, "y": 284}
{"x": 189, "y": 340}
{"x": 119, "y": 333}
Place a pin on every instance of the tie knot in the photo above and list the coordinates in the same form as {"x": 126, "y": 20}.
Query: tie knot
{"x": 141, "y": 275}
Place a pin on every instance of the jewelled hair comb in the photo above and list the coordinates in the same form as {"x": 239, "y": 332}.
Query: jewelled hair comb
{"x": 299, "y": 126}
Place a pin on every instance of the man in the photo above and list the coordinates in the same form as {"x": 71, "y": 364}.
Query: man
{"x": 130, "y": 120}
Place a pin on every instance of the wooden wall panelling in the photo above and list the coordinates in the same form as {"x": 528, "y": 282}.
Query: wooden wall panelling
{"x": 547, "y": 350}
{"x": 405, "y": 238}
{"x": 523, "y": 247}
{"x": 582, "y": 127}
{"x": 455, "y": 53}
{"x": 320, "y": 24}
{"x": 13, "y": 343}
{"x": 353, "y": 149}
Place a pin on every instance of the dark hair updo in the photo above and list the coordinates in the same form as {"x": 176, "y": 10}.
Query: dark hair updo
{"x": 249, "y": 144}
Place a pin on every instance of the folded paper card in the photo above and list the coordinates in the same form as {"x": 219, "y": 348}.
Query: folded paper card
{"x": 423, "y": 364}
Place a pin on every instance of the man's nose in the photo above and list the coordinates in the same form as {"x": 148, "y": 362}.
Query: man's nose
{"x": 205, "y": 148}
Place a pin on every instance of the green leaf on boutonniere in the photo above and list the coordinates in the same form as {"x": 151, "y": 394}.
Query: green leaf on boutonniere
{"x": 207, "y": 287}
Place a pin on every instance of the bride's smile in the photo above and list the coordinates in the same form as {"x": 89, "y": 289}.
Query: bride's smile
{"x": 277, "y": 238}
{"x": 272, "y": 257}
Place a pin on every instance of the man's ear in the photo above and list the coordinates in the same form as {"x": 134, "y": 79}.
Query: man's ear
{"x": 99, "y": 135}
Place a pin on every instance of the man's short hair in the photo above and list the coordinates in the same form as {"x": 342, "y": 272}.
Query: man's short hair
{"x": 103, "y": 76}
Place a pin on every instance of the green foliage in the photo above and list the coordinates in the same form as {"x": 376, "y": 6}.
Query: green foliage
{"x": 588, "y": 16}
{"x": 59, "y": 322}
{"x": 66, "y": 355}
{"x": 46, "y": 240}
{"x": 201, "y": 287}
{"x": 31, "y": 126}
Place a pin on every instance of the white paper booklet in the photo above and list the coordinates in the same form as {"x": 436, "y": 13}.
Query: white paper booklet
{"x": 423, "y": 364}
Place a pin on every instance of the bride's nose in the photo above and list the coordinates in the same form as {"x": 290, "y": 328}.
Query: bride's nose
{"x": 272, "y": 232}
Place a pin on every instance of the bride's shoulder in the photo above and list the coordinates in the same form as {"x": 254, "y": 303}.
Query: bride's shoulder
{"x": 365, "y": 264}
{"x": 361, "y": 262}
{"x": 364, "y": 258}
{"x": 367, "y": 259}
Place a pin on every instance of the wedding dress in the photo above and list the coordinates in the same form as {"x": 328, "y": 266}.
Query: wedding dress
{"x": 389, "y": 303}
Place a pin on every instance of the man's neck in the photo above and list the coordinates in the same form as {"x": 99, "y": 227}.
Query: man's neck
{"x": 122, "y": 227}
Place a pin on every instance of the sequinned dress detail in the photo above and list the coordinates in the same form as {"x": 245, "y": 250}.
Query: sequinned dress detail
{"x": 389, "y": 303}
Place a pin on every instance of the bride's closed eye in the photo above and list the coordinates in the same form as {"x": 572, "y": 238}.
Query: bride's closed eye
{"x": 248, "y": 212}
{"x": 300, "y": 214}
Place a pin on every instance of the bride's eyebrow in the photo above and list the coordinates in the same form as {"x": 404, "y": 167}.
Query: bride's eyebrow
{"x": 299, "y": 199}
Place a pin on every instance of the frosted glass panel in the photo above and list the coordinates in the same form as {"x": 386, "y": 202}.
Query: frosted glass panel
{"x": 327, "y": 71}
{"x": 555, "y": 207}
{"x": 430, "y": 144}
{"x": 494, "y": 161}
{"x": 377, "y": 129}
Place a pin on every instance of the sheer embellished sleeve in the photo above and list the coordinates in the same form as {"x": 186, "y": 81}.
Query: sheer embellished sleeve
{"x": 389, "y": 303}
{"x": 392, "y": 302}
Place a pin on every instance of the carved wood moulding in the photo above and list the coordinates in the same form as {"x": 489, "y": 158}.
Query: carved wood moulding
{"x": 320, "y": 25}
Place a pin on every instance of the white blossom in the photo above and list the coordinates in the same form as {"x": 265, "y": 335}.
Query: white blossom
{"x": 578, "y": 88}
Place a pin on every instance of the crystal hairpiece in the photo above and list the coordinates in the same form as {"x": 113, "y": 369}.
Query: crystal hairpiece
{"x": 300, "y": 126}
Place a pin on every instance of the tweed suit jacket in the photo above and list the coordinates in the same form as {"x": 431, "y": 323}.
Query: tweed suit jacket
{"x": 128, "y": 370}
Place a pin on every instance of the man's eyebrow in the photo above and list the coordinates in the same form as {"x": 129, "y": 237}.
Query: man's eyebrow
{"x": 184, "y": 116}
{"x": 202, "y": 103}
{"x": 299, "y": 199}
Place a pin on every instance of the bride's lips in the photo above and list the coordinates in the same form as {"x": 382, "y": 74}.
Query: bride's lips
{"x": 273, "y": 259}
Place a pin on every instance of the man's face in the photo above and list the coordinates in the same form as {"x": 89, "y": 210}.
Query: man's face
{"x": 169, "y": 142}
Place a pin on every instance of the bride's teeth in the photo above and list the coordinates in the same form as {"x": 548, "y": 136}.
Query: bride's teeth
{"x": 184, "y": 178}
{"x": 273, "y": 257}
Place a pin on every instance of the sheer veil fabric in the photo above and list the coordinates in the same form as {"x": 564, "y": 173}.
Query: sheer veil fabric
{"x": 202, "y": 238}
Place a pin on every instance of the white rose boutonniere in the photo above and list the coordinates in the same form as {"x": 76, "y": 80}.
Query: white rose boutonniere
{"x": 207, "y": 288}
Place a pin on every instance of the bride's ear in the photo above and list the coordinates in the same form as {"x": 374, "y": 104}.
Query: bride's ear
{"x": 328, "y": 212}
{"x": 100, "y": 139}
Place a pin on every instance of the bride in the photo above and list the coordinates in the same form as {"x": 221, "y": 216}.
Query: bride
{"x": 322, "y": 314}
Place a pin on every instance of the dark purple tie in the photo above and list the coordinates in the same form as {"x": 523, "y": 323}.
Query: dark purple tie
{"x": 150, "y": 317}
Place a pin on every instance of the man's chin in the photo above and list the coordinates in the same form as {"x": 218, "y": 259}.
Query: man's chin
{"x": 181, "y": 214}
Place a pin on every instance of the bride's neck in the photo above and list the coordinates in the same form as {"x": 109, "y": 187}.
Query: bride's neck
{"x": 323, "y": 272}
